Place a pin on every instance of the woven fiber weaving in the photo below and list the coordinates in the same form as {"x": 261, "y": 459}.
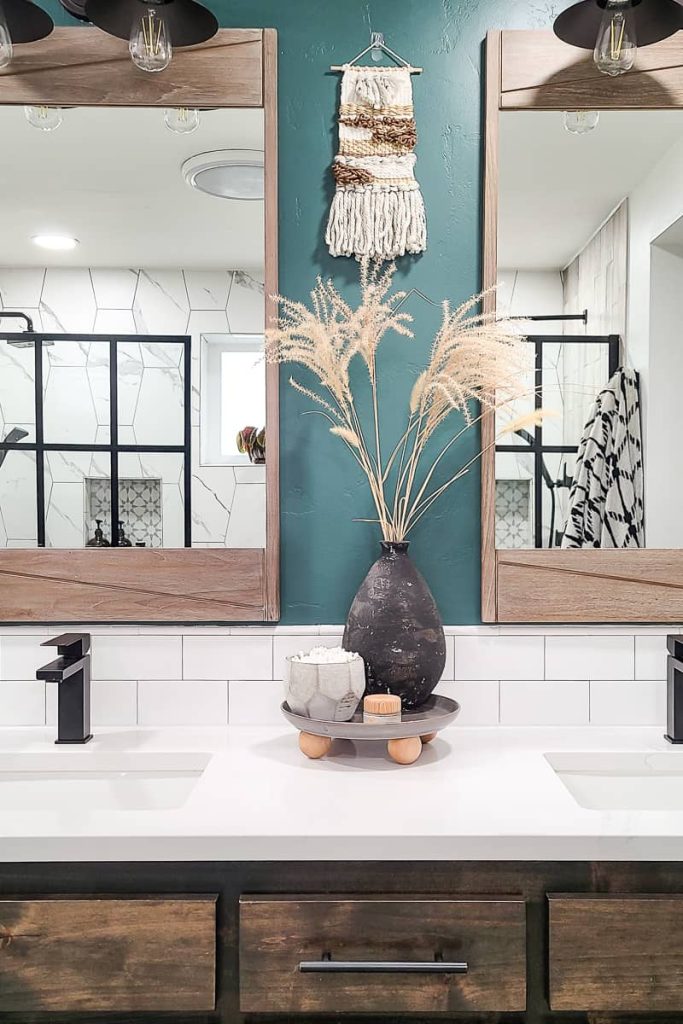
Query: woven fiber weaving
{"x": 377, "y": 210}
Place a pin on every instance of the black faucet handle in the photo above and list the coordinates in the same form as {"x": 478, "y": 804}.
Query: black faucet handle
{"x": 70, "y": 645}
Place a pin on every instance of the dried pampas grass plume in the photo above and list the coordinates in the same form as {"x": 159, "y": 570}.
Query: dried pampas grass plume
{"x": 477, "y": 364}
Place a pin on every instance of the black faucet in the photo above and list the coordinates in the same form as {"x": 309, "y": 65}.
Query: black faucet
{"x": 72, "y": 671}
{"x": 674, "y": 689}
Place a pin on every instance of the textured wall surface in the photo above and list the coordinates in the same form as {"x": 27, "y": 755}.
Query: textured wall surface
{"x": 325, "y": 553}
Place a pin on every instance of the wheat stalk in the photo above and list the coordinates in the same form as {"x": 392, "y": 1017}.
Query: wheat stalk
{"x": 474, "y": 358}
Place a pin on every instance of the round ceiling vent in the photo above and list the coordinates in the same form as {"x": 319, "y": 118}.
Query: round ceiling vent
{"x": 76, "y": 8}
{"x": 227, "y": 173}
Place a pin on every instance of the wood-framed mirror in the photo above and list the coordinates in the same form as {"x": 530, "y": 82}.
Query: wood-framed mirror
{"x": 583, "y": 233}
{"x": 138, "y": 270}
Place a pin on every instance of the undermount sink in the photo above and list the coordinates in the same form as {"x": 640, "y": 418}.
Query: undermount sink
{"x": 84, "y": 781}
{"x": 622, "y": 781}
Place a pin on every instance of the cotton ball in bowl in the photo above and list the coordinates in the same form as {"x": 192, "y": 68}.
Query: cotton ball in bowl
{"x": 326, "y": 684}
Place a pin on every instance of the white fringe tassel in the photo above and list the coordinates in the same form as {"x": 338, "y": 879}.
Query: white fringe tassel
{"x": 379, "y": 224}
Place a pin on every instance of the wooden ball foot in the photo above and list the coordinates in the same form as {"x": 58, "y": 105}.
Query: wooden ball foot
{"x": 405, "y": 751}
{"x": 314, "y": 746}
{"x": 428, "y": 737}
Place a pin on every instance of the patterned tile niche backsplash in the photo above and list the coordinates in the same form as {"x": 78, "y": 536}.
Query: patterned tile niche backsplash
{"x": 140, "y": 509}
{"x": 513, "y": 514}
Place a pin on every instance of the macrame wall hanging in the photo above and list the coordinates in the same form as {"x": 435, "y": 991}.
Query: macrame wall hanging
{"x": 377, "y": 210}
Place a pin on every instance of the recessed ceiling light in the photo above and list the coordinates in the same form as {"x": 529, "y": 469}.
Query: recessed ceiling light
{"x": 227, "y": 173}
{"x": 60, "y": 243}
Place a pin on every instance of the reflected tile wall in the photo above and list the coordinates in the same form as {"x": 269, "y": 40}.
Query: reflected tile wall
{"x": 228, "y": 505}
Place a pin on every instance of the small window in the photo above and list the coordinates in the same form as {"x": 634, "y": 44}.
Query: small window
{"x": 232, "y": 394}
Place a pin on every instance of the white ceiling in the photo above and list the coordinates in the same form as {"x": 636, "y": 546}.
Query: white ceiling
{"x": 111, "y": 178}
{"x": 556, "y": 189}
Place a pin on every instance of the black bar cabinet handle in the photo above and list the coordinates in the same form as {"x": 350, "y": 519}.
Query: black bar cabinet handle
{"x": 329, "y": 966}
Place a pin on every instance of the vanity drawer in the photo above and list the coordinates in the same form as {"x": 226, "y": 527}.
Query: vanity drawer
{"x": 90, "y": 954}
{"x": 616, "y": 953}
{"x": 381, "y": 954}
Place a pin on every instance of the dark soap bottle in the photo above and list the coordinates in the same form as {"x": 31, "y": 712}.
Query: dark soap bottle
{"x": 99, "y": 540}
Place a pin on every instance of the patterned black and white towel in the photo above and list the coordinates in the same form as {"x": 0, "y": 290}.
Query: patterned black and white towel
{"x": 606, "y": 507}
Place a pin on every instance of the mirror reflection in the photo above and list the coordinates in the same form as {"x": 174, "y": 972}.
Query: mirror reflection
{"x": 132, "y": 380}
{"x": 590, "y": 251}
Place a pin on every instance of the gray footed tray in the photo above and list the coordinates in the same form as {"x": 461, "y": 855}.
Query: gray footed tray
{"x": 435, "y": 714}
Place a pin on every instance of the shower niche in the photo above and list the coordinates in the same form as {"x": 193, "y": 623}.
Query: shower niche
{"x": 95, "y": 441}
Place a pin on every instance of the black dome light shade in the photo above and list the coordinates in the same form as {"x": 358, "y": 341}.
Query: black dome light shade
{"x": 189, "y": 23}
{"x": 26, "y": 21}
{"x": 654, "y": 20}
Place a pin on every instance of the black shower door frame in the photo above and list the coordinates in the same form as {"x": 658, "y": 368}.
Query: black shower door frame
{"x": 40, "y": 446}
{"x": 538, "y": 449}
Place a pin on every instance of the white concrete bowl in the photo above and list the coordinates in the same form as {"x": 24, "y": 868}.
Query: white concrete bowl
{"x": 325, "y": 692}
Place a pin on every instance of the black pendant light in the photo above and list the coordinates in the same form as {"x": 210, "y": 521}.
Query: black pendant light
{"x": 76, "y": 8}
{"x": 653, "y": 20}
{"x": 26, "y": 21}
{"x": 188, "y": 22}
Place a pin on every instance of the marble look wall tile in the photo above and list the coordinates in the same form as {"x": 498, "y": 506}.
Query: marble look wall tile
{"x": 17, "y": 385}
{"x": 208, "y": 289}
{"x": 67, "y": 421}
{"x": 18, "y": 499}
{"x": 161, "y": 305}
{"x": 213, "y": 489}
{"x": 65, "y": 516}
{"x": 68, "y": 300}
{"x": 21, "y": 287}
{"x": 158, "y": 415}
{"x": 247, "y": 526}
{"x": 246, "y": 305}
{"x": 115, "y": 321}
{"x": 114, "y": 289}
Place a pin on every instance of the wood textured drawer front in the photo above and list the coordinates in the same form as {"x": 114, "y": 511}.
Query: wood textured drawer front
{"x": 616, "y": 953}
{"x": 382, "y": 944}
{"x": 82, "y": 954}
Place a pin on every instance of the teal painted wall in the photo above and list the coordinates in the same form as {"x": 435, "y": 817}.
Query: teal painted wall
{"x": 325, "y": 554}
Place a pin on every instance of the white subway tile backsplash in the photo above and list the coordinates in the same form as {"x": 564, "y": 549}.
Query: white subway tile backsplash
{"x": 496, "y": 673}
{"x": 533, "y": 702}
{"x": 22, "y": 702}
{"x": 182, "y": 702}
{"x": 255, "y": 702}
{"x": 628, "y": 702}
{"x": 499, "y": 657}
{"x": 20, "y": 656}
{"x": 229, "y": 657}
{"x": 478, "y": 699}
{"x": 137, "y": 657}
{"x": 594, "y": 657}
{"x": 651, "y": 654}
{"x": 112, "y": 703}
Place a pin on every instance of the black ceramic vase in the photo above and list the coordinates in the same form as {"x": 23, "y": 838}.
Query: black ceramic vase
{"x": 395, "y": 626}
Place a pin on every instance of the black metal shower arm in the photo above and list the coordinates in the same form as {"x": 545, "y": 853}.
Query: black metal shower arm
{"x": 18, "y": 316}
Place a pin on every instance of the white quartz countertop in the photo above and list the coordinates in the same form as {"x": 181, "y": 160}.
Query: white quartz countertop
{"x": 475, "y": 794}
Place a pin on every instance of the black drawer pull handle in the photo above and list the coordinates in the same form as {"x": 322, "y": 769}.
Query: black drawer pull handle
{"x": 329, "y": 966}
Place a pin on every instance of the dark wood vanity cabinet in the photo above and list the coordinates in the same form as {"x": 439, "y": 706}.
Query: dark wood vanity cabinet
{"x": 382, "y": 954}
{"x": 616, "y": 953}
{"x": 222, "y": 943}
{"x": 107, "y": 954}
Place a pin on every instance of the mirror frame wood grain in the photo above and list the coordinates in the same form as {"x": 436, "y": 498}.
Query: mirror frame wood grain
{"x": 85, "y": 67}
{"x": 533, "y": 70}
